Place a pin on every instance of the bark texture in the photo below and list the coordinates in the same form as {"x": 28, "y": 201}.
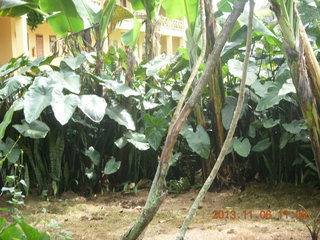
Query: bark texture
{"x": 157, "y": 192}
{"x": 304, "y": 69}
{"x": 230, "y": 134}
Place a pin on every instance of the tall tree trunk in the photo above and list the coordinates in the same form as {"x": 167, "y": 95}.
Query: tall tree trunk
{"x": 216, "y": 92}
{"x": 152, "y": 39}
{"x": 215, "y": 81}
{"x": 230, "y": 134}
{"x": 157, "y": 192}
{"x": 298, "y": 54}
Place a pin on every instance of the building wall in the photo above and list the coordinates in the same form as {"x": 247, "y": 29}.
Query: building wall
{"x": 5, "y": 40}
{"x": 176, "y": 43}
{"x": 45, "y": 31}
{"x": 18, "y": 38}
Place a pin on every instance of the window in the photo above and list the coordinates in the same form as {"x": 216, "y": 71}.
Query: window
{"x": 124, "y": 3}
{"x": 39, "y": 45}
{"x": 52, "y": 41}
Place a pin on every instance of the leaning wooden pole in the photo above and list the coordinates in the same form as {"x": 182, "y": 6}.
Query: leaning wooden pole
{"x": 230, "y": 134}
{"x": 157, "y": 192}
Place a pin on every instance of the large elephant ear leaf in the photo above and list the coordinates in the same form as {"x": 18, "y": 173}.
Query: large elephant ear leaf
{"x": 63, "y": 106}
{"x": 198, "y": 141}
{"x": 112, "y": 166}
{"x": 35, "y": 129}
{"x": 93, "y": 106}
{"x": 121, "y": 116}
{"x": 37, "y": 98}
{"x": 138, "y": 140}
{"x": 13, "y": 84}
{"x": 242, "y": 147}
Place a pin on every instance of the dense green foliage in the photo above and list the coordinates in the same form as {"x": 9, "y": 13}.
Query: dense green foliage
{"x": 66, "y": 135}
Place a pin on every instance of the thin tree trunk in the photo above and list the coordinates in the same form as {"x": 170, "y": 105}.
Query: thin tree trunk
{"x": 216, "y": 89}
{"x": 230, "y": 134}
{"x": 157, "y": 192}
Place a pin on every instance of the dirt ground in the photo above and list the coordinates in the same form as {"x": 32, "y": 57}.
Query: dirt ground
{"x": 244, "y": 214}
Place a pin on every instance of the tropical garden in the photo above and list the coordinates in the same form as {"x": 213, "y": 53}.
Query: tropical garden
{"x": 234, "y": 112}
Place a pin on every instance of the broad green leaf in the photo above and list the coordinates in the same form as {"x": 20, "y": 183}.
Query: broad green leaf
{"x": 181, "y": 8}
{"x": 2, "y": 223}
{"x": 66, "y": 20}
{"x": 198, "y": 141}
{"x": 12, "y": 233}
{"x": 261, "y": 89}
{"x": 235, "y": 68}
{"x": 131, "y": 37}
{"x": 8, "y": 147}
{"x": 137, "y": 4}
{"x": 154, "y": 137}
{"x": 93, "y": 155}
{"x": 120, "y": 13}
{"x": 16, "y": 106}
{"x": 88, "y": 11}
{"x": 11, "y": 3}
{"x": 252, "y": 131}
{"x": 138, "y": 140}
{"x": 121, "y": 116}
{"x": 13, "y": 84}
{"x": 106, "y": 17}
{"x": 295, "y": 126}
{"x": 272, "y": 97}
{"x": 287, "y": 87}
{"x": 155, "y": 129}
{"x": 261, "y": 29}
{"x": 30, "y": 232}
{"x": 224, "y": 6}
{"x": 93, "y": 106}
{"x": 242, "y": 147}
{"x": 35, "y": 129}
{"x": 228, "y": 110}
{"x": 38, "y": 98}
{"x": 112, "y": 166}
{"x": 262, "y": 145}
{"x": 120, "y": 88}
{"x": 75, "y": 62}
{"x": 269, "y": 123}
{"x": 155, "y": 65}
{"x": 149, "y": 105}
{"x": 63, "y": 106}
{"x": 68, "y": 79}
{"x": 121, "y": 142}
{"x": 284, "y": 139}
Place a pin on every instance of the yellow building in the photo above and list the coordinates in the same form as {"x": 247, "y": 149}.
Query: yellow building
{"x": 18, "y": 38}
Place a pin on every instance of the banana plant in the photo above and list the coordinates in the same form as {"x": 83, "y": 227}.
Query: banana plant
{"x": 304, "y": 68}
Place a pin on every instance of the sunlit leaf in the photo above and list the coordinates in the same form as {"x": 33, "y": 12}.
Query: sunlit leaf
{"x": 138, "y": 140}
{"x": 93, "y": 106}
{"x": 121, "y": 116}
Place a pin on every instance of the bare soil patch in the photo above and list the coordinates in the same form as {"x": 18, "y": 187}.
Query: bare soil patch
{"x": 109, "y": 216}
